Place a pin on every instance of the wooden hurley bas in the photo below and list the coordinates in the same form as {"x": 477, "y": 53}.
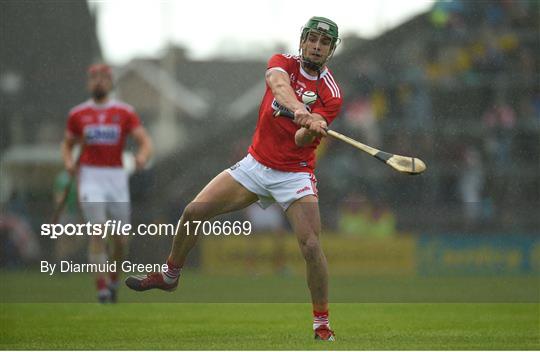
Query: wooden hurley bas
{"x": 404, "y": 164}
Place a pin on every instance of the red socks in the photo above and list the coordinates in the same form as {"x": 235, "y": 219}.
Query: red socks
{"x": 320, "y": 318}
{"x": 113, "y": 279}
{"x": 172, "y": 272}
{"x": 101, "y": 285}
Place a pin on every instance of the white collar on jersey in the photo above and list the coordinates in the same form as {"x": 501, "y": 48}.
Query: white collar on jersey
{"x": 310, "y": 77}
{"x": 105, "y": 105}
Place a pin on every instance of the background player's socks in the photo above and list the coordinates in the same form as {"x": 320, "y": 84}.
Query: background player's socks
{"x": 103, "y": 290}
{"x": 101, "y": 283}
{"x": 113, "y": 280}
{"x": 319, "y": 319}
{"x": 171, "y": 274}
{"x": 113, "y": 286}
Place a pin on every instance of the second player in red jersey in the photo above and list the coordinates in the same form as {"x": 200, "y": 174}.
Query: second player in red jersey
{"x": 101, "y": 126}
{"x": 104, "y": 129}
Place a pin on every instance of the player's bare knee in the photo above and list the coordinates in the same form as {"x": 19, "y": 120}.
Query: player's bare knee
{"x": 310, "y": 247}
{"x": 194, "y": 211}
{"x": 97, "y": 244}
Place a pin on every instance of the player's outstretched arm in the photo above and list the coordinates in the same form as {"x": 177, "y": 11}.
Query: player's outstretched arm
{"x": 145, "y": 146}
{"x": 280, "y": 84}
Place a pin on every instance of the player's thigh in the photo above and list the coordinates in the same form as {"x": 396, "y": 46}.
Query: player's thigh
{"x": 305, "y": 218}
{"x": 120, "y": 241}
{"x": 119, "y": 211}
{"x": 222, "y": 195}
{"x": 94, "y": 212}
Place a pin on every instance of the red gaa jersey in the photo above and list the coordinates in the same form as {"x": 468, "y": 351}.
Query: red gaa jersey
{"x": 104, "y": 129}
{"x": 273, "y": 143}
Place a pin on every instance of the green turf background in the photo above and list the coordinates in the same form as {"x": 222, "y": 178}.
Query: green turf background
{"x": 268, "y": 326}
{"x": 33, "y": 287}
{"x": 366, "y": 313}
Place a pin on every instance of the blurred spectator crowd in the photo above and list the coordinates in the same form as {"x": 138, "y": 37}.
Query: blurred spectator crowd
{"x": 459, "y": 88}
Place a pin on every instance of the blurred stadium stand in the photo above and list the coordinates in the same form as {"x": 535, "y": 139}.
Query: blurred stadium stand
{"x": 45, "y": 51}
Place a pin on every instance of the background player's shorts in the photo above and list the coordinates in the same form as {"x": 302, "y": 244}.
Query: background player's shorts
{"x": 104, "y": 194}
{"x": 272, "y": 185}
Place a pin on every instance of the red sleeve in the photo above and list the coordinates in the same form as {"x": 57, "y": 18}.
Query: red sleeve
{"x": 133, "y": 121}
{"x": 330, "y": 110}
{"x": 73, "y": 126}
{"x": 281, "y": 61}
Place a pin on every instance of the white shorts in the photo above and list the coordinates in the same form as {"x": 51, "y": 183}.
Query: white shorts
{"x": 272, "y": 185}
{"x": 104, "y": 194}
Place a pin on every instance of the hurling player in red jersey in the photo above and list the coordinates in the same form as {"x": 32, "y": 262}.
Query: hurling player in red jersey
{"x": 101, "y": 125}
{"x": 279, "y": 165}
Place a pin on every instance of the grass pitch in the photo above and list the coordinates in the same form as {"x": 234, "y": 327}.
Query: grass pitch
{"x": 259, "y": 326}
{"x": 224, "y": 313}
{"x": 35, "y": 287}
